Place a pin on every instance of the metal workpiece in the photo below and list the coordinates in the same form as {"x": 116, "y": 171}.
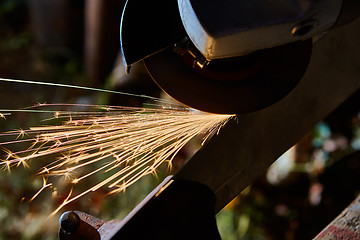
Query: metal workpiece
{"x": 345, "y": 226}
{"x": 78, "y": 225}
{"x": 246, "y": 146}
{"x": 175, "y": 209}
{"x": 223, "y": 29}
{"x": 69, "y": 222}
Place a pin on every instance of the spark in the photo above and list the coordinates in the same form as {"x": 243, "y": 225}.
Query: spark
{"x": 6, "y": 165}
{"x": 125, "y": 143}
{"x": 77, "y": 87}
{"x": 45, "y": 185}
{"x": 21, "y": 134}
{"x": 66, "y": 201}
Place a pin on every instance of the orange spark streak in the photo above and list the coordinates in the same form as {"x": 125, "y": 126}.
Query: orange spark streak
{"x": 126, "y": 143}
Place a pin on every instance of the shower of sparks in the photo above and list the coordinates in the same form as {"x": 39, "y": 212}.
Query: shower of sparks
{"x": 125, "y": 143}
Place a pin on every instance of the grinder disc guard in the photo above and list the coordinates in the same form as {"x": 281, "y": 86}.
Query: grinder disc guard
{"x": 233, "y": 86}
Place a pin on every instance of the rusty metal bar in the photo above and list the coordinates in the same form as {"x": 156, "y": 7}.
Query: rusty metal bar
{"x": 345, "y": 226}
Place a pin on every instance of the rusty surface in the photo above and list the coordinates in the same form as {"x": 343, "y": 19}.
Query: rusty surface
{"x": 92, "y": 228}
{"x": 345, "y": 226}
{"x": 86, "y": 230}
{"x": 91, "y": 220}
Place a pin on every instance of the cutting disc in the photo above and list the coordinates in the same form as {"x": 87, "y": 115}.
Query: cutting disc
{"x": 231, "y": 86}
{"x": 148, "y": 27}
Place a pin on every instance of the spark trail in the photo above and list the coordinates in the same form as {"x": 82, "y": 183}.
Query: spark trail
{"x": 125, "y": 143}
